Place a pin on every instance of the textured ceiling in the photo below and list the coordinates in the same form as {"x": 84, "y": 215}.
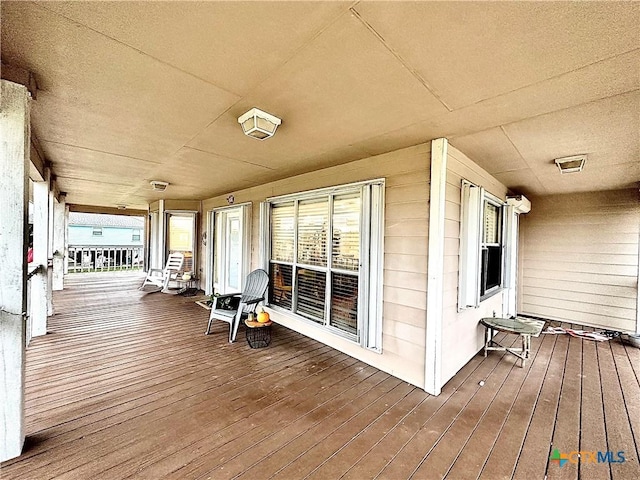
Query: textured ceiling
{"x": 135, "y": 91}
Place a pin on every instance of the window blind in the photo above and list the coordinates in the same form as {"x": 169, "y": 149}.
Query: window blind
{"x": 282, "y": 232}
{"x": 345, "y": 248}
{"x": 313, "y": 224}
{"x": 491, "y": 223}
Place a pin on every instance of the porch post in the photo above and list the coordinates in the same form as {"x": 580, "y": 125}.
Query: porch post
{"x": 39, "y": 282}
{"x": 58, "y": 242}
{"x": 66, "y": 237}
{"x": 510, "y": 261}
{"x": 50, "y": 215}
{"x": 435, "y": 267}
{"x": 14, "y": 195}
{"x": 162, "y": 232}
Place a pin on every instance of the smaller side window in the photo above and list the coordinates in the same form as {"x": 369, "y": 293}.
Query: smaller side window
{"x": 491, "y": 255}
{"x": 135, "y": 237}
{"x": 97, "y": 231}
{"x": 481, "y": 246}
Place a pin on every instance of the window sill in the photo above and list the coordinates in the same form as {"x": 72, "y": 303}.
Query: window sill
{"x": 491, "y": 293}
{"x": 324, "y": 328}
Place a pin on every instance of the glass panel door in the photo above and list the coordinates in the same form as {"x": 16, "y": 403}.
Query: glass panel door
{"x": 181, "y": 228}
{"x": 229, "y": 267}
{"x": 233, "y": 267}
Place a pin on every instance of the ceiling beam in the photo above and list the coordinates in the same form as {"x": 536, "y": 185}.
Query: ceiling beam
{"x": 20, "y": 76}
{"x": 106, "y": 210}
{"x": 36, "y": 155}
{"x": 26, "y": 78}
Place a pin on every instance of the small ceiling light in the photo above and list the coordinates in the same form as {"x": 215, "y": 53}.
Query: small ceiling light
{"x": 159, "y": 185}
{"x": 258, "y": 124}
{"x": 122, "y": 207}
{"x": 571, "y": 164}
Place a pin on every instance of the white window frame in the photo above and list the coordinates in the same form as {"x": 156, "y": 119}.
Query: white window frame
{"x": 370, "y": 275}
{"x": 471, "y": 242}
{"x": 193, "y": 216}
{"x": 493, "y": 200}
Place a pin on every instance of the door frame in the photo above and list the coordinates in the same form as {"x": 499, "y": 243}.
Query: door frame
{"x": 245, "y": 216}
{"x": 194, "y": 246}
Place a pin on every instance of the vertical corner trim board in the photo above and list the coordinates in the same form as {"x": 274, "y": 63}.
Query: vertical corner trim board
{"x": 435, "y": 268}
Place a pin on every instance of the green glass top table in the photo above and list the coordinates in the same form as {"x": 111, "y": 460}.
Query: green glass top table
{"x": 524, "y": 327}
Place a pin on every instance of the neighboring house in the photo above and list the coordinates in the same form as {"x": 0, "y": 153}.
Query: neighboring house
{"x": 98, "y": 242}
{"x": 105, "y": 230}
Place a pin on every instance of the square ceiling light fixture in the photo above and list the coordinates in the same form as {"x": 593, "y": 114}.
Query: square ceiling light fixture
{"x": 571, "y": 164}
{"x": 159, "y": 185}
{"x": 258, "y": 124}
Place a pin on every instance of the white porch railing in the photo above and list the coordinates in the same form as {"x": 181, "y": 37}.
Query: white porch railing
{"x": 85, "y": 258}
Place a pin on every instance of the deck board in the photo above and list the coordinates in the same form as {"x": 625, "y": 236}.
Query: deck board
{"x": 567, "y": 417}
{"x": 450, "y": 444}
{"x": 504, "y": 456}
{"x": 593, "y": 428}
{"x": 619, "y": 434}
{"x": 474, "y": 455}
{"x": 541, "y": 430}
{"x": 126, "y": 385}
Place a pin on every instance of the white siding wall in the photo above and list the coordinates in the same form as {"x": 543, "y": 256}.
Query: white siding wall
{"x": 579, "y": 257}
{"x": 462, "y": 338}
{"x": 405, "y": 253}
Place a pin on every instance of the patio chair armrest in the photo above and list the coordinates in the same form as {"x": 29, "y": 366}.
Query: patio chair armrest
{"x": 226, "y": 295}
{"x": 251, "y": 301}
{"x": 174, "y": 275}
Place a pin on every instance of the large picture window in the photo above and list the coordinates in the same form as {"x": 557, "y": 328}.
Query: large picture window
{"x": 324, "y": 250}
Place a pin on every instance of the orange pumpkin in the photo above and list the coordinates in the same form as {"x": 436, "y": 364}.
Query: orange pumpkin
{"x": 263, "y": 317}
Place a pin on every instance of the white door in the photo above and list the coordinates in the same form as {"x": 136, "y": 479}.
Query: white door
{"x": 230, "y": 262}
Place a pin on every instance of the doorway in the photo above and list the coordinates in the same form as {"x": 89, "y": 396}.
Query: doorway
{"x": 181, "y": 237}
{"x": 230, "y": 259}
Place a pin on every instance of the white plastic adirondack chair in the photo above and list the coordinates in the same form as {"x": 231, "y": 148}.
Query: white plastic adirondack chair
{"x": 232, "y": 307}
{"x": 161, "y": 277}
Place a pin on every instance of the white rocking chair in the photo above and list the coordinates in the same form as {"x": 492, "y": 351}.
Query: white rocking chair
{"x": 161, "y": 277}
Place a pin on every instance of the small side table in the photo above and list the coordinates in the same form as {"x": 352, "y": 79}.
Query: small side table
{"x": 258, "y": 334}
{"x": 518, "y": 326}
{"x": 188, "y": 288}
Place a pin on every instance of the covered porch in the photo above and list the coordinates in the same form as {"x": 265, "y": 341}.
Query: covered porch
{"x": 126, "y": 385}
{"x": 435, "y": 163}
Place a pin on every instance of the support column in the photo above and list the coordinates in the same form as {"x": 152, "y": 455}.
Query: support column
{"x": 515, "y": 206}
{"x": 510, "y": 261}
{"x": 49, "y": 264}
{"x": 66, "y": 238}
{"x": 14, "y": 195}
{"x": 162, "y": 232}
{"x": 39, "y": 282}
{"x": 58, "y": 242}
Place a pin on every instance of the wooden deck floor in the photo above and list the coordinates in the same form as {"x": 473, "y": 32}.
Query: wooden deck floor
{"x": 126, "y": 385}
